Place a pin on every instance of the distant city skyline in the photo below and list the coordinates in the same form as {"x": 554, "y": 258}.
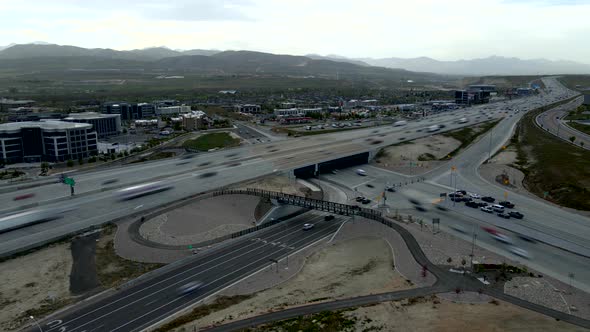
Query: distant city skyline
{"x": 461, "y": 29}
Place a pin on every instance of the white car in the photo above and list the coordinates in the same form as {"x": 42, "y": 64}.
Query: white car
{"x": 520, "y": 252}
{"x": 190, "y": 287}
{"x": 307, "y": 226}
{"x": 486, "y": 209}
{"x": 502, "y": 238}
{"x": 474, "y": 196}
{"x": 361, "y": 172}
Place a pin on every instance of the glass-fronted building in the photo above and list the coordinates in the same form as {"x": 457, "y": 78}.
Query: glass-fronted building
{"x": 53, "y": 141}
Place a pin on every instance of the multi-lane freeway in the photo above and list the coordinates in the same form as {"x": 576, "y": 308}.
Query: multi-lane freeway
{"x": 94, "y": 202}
{"x": 143, "y": 304}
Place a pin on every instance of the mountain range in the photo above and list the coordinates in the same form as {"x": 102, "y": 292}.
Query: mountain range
{"x": 36, "y": 59}
{"x": 39, "y": 54}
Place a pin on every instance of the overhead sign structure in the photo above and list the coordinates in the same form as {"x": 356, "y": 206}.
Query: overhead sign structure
{"x": 70, "y": 181}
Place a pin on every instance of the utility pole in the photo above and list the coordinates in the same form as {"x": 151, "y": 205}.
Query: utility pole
{"x": 472, "y": 248}
{"x": 490, "y": 149}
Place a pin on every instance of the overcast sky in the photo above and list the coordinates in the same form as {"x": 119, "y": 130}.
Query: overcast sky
{"x": 445, "y": 30}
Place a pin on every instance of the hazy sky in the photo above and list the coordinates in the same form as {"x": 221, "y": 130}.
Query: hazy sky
{"x": 446, "y": 30}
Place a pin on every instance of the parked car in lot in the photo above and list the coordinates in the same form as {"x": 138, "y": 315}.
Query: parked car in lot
{"x": 516, "y": 214}
{"x": 504, "y": 215}
{"x": 488, "y": 199}
{"x": 507, "y": 204}
{"x": 486, "y": 209}
{"x": 455, "y": 194}
{"x": 481, "y": 204}
{"x": 307, "y": 226}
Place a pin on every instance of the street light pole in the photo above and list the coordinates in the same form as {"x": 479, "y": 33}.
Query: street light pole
{"x": 35, "y": 321}
{"x": 490, "y": 149}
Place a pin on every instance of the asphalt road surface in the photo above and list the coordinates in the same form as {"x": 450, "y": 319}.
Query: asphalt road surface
{"x": 94, "y": 196}
{"x": 552, "y": 121}
{"x": 145, "y": 303}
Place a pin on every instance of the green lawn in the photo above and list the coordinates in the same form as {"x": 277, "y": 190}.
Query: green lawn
{"x": 552, "y": 166}
{"x": 581, "y": 127}
{"x": 211, "y": 141}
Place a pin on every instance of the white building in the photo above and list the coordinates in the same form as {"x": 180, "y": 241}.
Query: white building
{"x": 284, "y": 112}
{"x": 173, "y": 110}
{"x": 248, "y": 108}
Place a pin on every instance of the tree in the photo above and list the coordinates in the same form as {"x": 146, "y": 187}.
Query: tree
{"x": 44, "y": 167}
{"x": 113, "y": 156}
{"x": 70, "y": 163}
{"x": 124, "y": 130}
{"x": 572, "y": 138}
{"x": 449, "y": 260}
{"x": 582, "y": 144}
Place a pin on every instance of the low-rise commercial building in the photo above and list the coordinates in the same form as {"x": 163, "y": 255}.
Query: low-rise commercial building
{"x": 172, "y": 110}
{"x": 6, "y": 104}
{"x": 52, "y": 141}
{"x": 284, "y": 112}
{"x": 105, "y": 125}
{"x": 248, "y": 108}
{"x": 194, "y": 120}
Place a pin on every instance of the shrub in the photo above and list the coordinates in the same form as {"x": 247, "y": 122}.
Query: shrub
{"x": 70, "y": 163}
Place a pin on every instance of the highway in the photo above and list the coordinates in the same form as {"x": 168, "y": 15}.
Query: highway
{"x": 144, "y": 303}
{"x": 552, "y": 121}
{"x": 207, "y": 171}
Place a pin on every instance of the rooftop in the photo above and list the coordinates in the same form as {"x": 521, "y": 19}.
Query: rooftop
{"x": 89, "y": 116}
{"x": 45, "y": 125}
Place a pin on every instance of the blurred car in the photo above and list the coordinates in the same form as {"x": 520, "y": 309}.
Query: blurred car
{"x": 488, "y": 199}
{"x": 308, "y": 226}
{"x": 370, "y": 185}
{"x": 486, "y": 209}
{"x": 360, "y": 198}
{"x": 25, "y": 196}
{"x": 142, "y": 190}
{"x": 504, "y": 215}
{"x": 190, "y": 287}
{"x": 458, "y": 228}
{"x": 527, "y": 238}
{"x": 390, "y": 189}
{"x": 328, "y": 218}
{"x": 366, "y": 201}
{"x": 501, "y": 238}
{"x": 480, "y": 204}
{"x": 516, "y": 214}
{"x": 111, "y": 181}
{"x": 474, "y": 196}
{"x": 520, "y": 252}
{"x": 507, "y": 204}
{"x": 472, "y": 204}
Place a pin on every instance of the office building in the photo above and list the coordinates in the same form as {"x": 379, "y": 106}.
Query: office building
{"x": 6, "y": 104}
{"x": 468, "y": 97}
{"x": 144, "y": 110}
{"x": 482, "y": 87}
{"x": 248, "y": 108}
{"x": 172, "y": 110}
{"x": 122, "y": 108}
{"x": 284, "y": 112}
{"x": 194, "y": 120}
{"x": 105, "y": 125}
{"x": 52, "y": 141}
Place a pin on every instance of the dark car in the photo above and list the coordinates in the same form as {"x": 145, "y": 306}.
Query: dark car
{"x": 370, "y": 185}
{"x": 516, "y": 214}
{"x": 366, "y": 201}
{"x": 328, "y": 218}
{"x": 488, "y": 199}
{"x": 455, "y": 195}
{"x": 359, "y": 198}
{"x": 390, "y": 189}
{"x": 504, "y": 215}
{"x": 472, "y": 204}
{"x": 462, "y": 192}
{"x": 481, "y": 204}
{"x": 507, "y": 204}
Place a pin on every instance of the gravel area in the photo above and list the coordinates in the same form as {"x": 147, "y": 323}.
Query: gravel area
{"x": 202, "y": 220}
{"x": 341, "y": 269}
{"x": 538, "y": 291}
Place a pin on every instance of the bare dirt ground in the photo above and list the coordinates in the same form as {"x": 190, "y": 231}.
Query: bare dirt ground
{"x": 278, "y": 183}
{"x": 202, "y": 220}
{"x": 31, "y": 281}
{"x": 349, "y": 268}
{"x": 417, "y": 156}
{"x": 436, "y": 314}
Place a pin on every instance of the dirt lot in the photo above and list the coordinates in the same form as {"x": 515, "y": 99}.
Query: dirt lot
{"x": 31, "y": 281}
{"x": 422, "y": 153}
{"x": 350, "y": 268}
{"x": 278, "y": 183}
{"x": 434, "y": 314}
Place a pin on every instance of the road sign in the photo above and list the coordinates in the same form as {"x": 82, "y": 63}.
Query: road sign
{"x": 69, "y": 181}
{"x": 190, "y": 246}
